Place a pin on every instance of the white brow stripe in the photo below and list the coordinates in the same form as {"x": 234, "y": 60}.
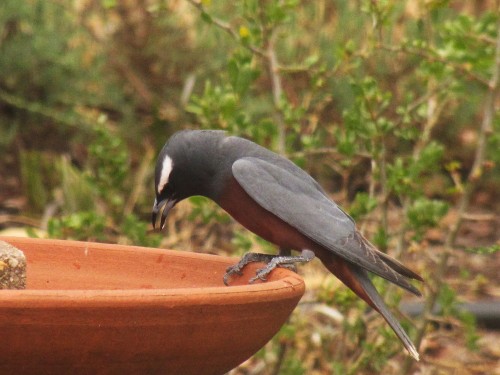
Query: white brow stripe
{"x": 165, "y": 173}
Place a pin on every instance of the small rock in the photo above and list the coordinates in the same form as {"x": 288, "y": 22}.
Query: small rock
{"x": 12, "y": 267}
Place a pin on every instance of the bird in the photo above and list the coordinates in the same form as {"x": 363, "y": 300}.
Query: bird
{"x": 277, "y": 200}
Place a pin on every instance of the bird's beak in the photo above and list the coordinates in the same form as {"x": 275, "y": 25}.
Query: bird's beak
{"x": 167, "y": 205}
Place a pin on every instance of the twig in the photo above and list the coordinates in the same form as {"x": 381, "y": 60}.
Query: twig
{"x": 431, "y": 93}
{"x": 327, "y": 150}
{"x": 187, "y": 89}
{"x": 40, "y": 109}
{"x": 19, "y": 219}
{"x": 132, "y": 77}
{"x": 138, "y": 182}
{"x": 226, "y": 27}
{"x": 379, "y": 162}
{"x": 433, "y": 113}
{"x": 478, "y": 217}
{"x": 471, "y": 182}
{"x": 429, "y": 55}
{"x": 282, "y": 350}
{"x": 271, "y": 60}
{"x": 277, "y": 90}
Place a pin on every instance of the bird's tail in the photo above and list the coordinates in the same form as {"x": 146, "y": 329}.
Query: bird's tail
{"x": 357, "y": 279}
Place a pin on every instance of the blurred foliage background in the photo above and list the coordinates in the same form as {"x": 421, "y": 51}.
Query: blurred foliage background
{"x": 391, "y": 105}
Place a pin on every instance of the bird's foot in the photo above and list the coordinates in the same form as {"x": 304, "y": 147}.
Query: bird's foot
{"x": 247, "y": 258}
{"x": 285, "y": 261}
{"x": 273, "y": 261}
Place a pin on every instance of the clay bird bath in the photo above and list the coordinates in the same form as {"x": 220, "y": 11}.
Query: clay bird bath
{"x": 111, "y": 309}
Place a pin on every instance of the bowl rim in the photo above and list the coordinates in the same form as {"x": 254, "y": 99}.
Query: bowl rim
{"x": 289, "y": 283}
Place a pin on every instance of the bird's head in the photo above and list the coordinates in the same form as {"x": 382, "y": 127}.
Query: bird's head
{"x": 186, "y": 166}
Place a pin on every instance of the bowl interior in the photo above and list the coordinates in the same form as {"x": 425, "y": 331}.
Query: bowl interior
{"x": 62, "y": 265}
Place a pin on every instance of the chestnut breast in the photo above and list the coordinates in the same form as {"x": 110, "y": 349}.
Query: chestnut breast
{"x": 236, "y": 202}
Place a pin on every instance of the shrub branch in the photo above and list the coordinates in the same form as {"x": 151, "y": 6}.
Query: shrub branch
{"x": 471, "y": 182}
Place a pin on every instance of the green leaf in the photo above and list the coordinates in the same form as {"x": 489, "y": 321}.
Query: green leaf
{"x": 362, "y": 205}
{"x": 425, "y": 213}
{"x": 484, "y": 250}
{"x": 206, "y": 17}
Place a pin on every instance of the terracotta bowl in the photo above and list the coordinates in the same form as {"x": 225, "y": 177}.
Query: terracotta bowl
{"x": 110, "y": 309}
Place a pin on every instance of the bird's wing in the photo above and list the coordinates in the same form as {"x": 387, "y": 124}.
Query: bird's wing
{"x": 295, "y": 200}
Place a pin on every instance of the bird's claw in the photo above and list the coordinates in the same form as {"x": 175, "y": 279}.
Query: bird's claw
{"x": 230, "y": 271}
{"x": 261, "y": 275}
{"x": 234, "y": 269}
